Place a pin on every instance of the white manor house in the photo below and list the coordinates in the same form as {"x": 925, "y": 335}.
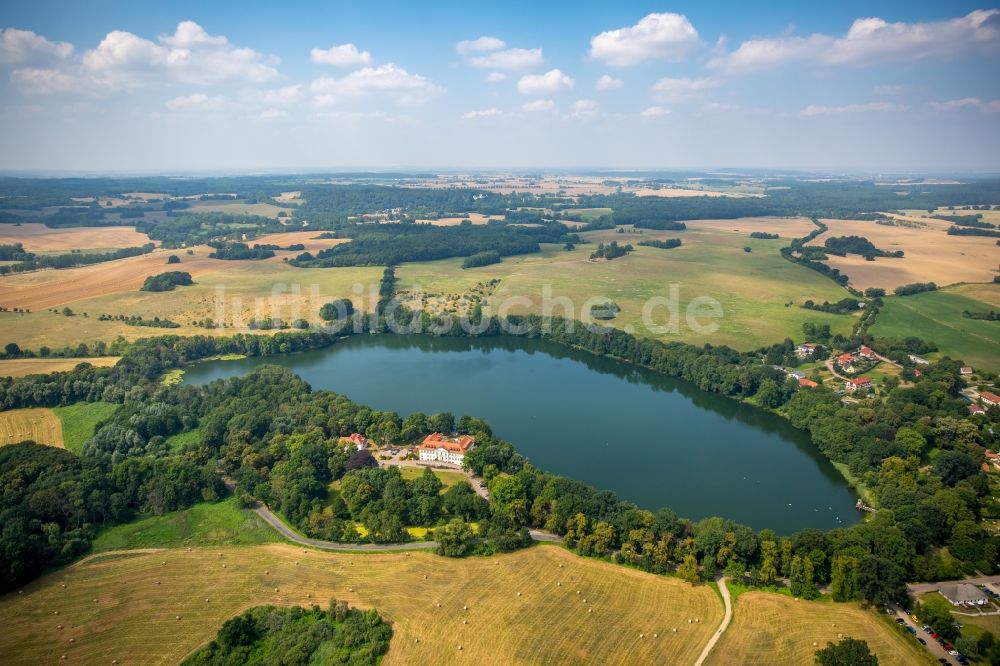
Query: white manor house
{"x": 440, "y": 448}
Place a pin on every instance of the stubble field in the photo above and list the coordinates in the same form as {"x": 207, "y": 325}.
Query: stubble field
{"x": 37, "y": 424}
{"x": 37, "y": 237}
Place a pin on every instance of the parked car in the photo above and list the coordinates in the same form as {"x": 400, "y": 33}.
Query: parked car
{"x": 911, "y": 630}
{"x": 922, "y": 641}
{"x": 948, "y": 647}
{"x": 935, "y": 635}
{"x": 955, "y": 653}
{"x": 900, "y": 620}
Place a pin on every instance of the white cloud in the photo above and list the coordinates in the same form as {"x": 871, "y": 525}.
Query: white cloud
{"x": 509, "y": 59}
{"x": 583, "y": 109}
{"x": 966, "y": 103}
{"x": 682, "y": 90}
{"x": 24, "y": 46}
{"x": 196, "y": 102}
{"x": 655, "y": 112}
{"x": 482, "y": 113}
{"x": 891, "y": 89}
{"x": 657, "y": 36}
{"x": 816, "y": 110}
{"x": 609, "y": 83}
{"x": 364, "y": 115}
{"x": 495, "y": 77}
{"x": 552, "y": 81}
{"x": 345, "y": 55}
{"x": 870, "y": 41}
{"x": 479, "y": 45}
{"x": 40, "y": 81}
{"x": 272, "y": 114}
{"x": 190, "y": 35}
{"x": 713, "y": 107}
{"x": 539, "y": 105}
{"x": 388, "y": 80}
{"x": 275, "y": 97}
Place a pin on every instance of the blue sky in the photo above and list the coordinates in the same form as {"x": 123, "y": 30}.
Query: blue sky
{"x": 127, "y": 86}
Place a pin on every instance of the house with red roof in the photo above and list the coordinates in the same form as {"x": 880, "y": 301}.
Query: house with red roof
{"x": 845, "y": 359}
{"x": 807, "y": 383}
{"x": 975, "y": 409}
{"x": 805, "y": 349}
{"x": 965, "y": 370}
{"x": 991, "y": 399}
{"x": 357, "y": 439}
{"x": 858, "y": 384}
{"x": 441, "y": 448}
{"x": 868, "y": 353}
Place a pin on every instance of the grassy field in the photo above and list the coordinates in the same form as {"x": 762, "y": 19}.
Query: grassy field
{"x": 447, "y": 478}
{"x": 937, "y": 317}
{"x": 758, "y": 291}
{"x": 22, "y": 367}
{"x": 208, "y": 524}
{"x": 38, "y": 424}
{"x": 78, "y": 421}
{"x": 155, "y": 607}
{"x": 236, "y": 208}
{"x": 772, "y": 628}
{"x": 38, "y": 238}
{"x": 181, "y": 440}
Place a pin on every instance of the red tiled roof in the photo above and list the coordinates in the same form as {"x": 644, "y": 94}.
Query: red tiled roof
{"x": 990, "y": 397}
{"x": 355, "y": 438}
{"x": 437, "y": 440}
{"x": 859, "y": 381}
{"x": 808, "y": 382}
{"x": 845, "y": 358}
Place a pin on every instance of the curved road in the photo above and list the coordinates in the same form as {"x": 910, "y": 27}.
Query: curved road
{"x": 726, "y": 619}
{"x": 284, "y": 530}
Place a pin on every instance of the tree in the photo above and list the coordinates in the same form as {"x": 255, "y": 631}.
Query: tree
{"x": 881, "y": 581}
{"x": 173, "y": 259}
{"x": 844, "y": 577}
{"x": 688, "y": 570}
{"x": 911, "y": 440}
{"x": 768, "y": 565}
{"x": 360, "y": 459}
{"x": 338, "y": 309}
{"x": 848, "y": 652}
{"x": 454, "y": 539}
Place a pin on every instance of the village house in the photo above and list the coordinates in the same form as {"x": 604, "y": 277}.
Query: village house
{"x": 807, "y": 383}
{"x": 845, "y": 359}
{"x": 357, "y": 439}
{"x": 992, "y": 458}
{"x": 441, "y": 448}
{"x": 963, "y": 594}
{"x": 858, "y": 384}
{"x": 975, "y": 409}
{"x": 991, "y": 399}
{"x": 805, "y": 349}
{"x": 797, "y": 374}
{"x": 965, "y": 370}
{"x": 868, "y": 353}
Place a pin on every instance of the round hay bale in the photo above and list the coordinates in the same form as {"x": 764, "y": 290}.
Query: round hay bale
{"x": 689, "y": 621}
{"x": 206, "y": 600}
{"x": 815, "y": 643}
{"x": 55, "y": 613}
{"x": 20, "y": 591}
{"x": 584, "y": 601}
{"x": 72, "y": 640}
{"x": 465, "y": 622}
{"x": 115, "y": 661}
{"x": 63, "y": 585}
{"x": 163, "y": 562}
{"x": 157, "y": 582}
{"x": 697, "y": 620}
{"x": 177, "y": 617}
{"x": 657, "y": 635}
{"x": 590, "y": 610}
{"x": 58, "y": 626}
{"x": 95, "y": 601}
{"x": 518, "y": 594}
{"x": 558, "y": 584}
{"x": 459, "y": 647}
{"x": 578, "y": 591}
{"x": 266, "y": 572}
{"x": 465, "y": 608}
{"x": 425, "y": 576}
{"x": 438, "y": 605}
{"x": 62, "y": 657}
{"x": 275, "y": 589}
{"x": 560, "y": 565}
{"x": 308, "y": 595}
{"x": 675, "y": 630}
{"x": 350, "y": 589}
{"x": 642, "y": 635}
{"x": 223, "y": 566}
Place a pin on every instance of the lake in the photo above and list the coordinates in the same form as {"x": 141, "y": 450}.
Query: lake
{"x": 654, "y": 440}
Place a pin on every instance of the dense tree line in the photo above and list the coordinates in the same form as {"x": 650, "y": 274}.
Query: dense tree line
{"x": 486, "y": 258}
{"x": 240, "y": 251}
{"x": 966, "y": 220}
{"x": 992, "y": 315}
{"x": 667, "y": 244}
{"x": 843, "y": 306}
{"x": 914, "y": 288}
{"x": 844, "y": 245}
{"x": 295, "y": 635}
{"x": 763, "y": 235}
{"x": 70, "y": 259}
{"x": 610, "y": 251}
{"x": 973, "y": 231}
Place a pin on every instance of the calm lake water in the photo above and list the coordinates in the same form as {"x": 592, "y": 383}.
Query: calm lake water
{"x": 654, "y": 440}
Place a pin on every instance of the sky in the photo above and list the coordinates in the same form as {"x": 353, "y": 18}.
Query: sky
{"x": 157, "y": 87}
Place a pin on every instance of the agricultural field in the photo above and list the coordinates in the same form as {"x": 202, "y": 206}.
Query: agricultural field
{"x": 770, "y": 628}
{"x": 155, "y": 606}
{"x": 937, "y": 317}
{"x": 236, "y": 208}
{"x": 37, "y": 237}
{"x": 759, "y": 291}
{"x": 309, "y": 239}
{"x": 38, "y": 424}
{"x": 80, "y": 420}
{"x": 230, "y": 291}
{"x": 22, "y": 367}
{"x": 931, "y": 255}
{"x": 474, "y": 218}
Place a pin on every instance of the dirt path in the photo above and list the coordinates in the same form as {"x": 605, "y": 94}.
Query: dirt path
{"x": 726, "y": 619}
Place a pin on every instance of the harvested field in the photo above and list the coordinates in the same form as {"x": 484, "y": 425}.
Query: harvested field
{"x": 930, "y": 255}
{"x": 474, "y": 218}
{"x": 37, "y": 237}
{"x": 22, "y": 367}
{"x": 51, "y": 288}
{"x": 786, "y": 227}
{"x": 236, "y": 208}
{"x": 37, "y": 424}
{"x": 770, "y": 628}
{"x": 113, "y": 608}
{"x": 307, "y": 238}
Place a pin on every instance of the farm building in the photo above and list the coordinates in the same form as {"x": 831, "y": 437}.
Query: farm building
{"x": 807, "y": 383}
{"x": 858, "y": 384}
{"x": 797, "y": 374}
{"x": 965, "y": 370}
{"x": 845, "y": 360}
{"x": 963, "y": 594}
{"x": 357, "y": 439}
{"x": 975, "y": 409}
{"x": 438, "y": 447}
{"x": 991, "y": 399}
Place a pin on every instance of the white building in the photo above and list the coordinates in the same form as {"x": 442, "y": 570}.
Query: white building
{"x": 439, "y": 448}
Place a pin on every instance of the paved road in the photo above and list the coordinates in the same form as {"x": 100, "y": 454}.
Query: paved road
{"x": 931, "y": 645}
{"x": 726, "y": 619}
